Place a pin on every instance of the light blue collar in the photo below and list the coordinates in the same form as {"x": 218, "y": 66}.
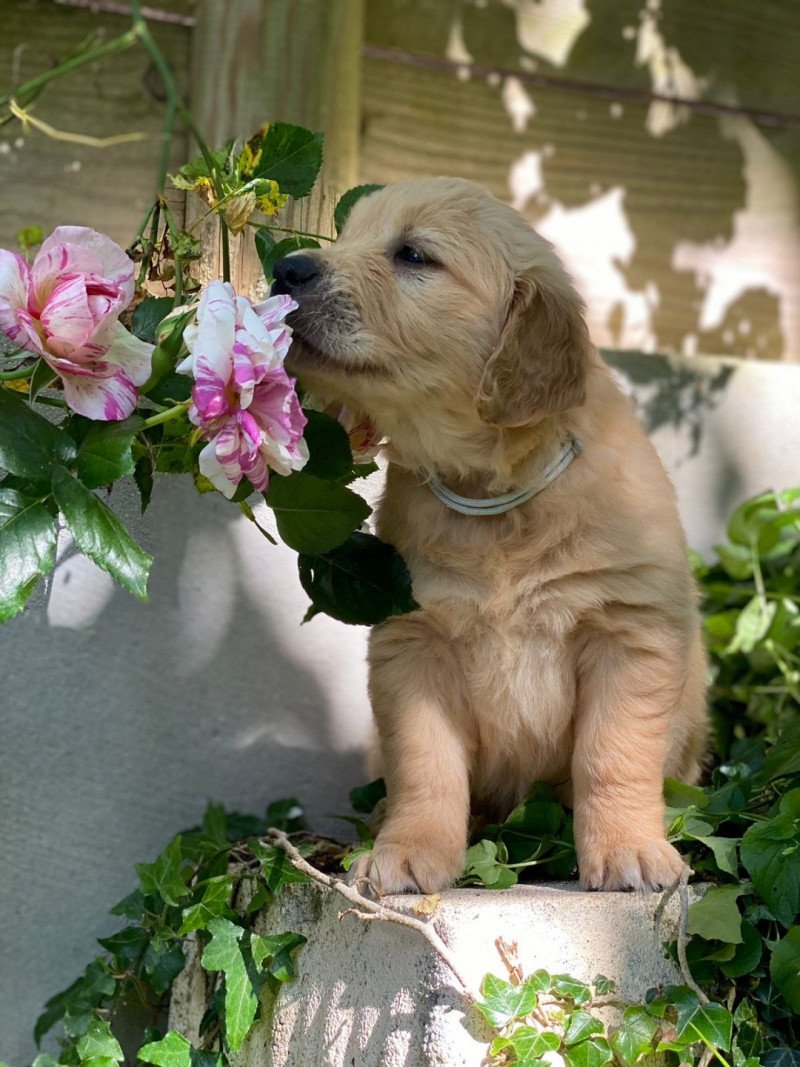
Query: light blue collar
{"x": 497, "y": 505}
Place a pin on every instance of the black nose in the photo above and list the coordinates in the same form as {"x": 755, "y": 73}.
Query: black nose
{"x": 293, "y": 272}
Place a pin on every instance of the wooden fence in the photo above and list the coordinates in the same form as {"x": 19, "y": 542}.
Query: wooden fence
{"x": 655, "y": 142}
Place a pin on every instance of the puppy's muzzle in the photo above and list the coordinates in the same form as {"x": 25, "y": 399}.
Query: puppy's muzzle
{"x": 296, "y": 275}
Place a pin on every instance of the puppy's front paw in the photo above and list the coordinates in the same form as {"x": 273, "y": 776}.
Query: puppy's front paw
{"x": 652, "y": 864}
{"x": 412, "y": 867}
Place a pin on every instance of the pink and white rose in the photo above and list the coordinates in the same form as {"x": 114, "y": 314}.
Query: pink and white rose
{"x": 65, "y": 307}
{"x": 243, "y": 400}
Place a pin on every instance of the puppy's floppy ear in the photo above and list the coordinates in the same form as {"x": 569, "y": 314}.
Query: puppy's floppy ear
{"x": 539, "y": 365}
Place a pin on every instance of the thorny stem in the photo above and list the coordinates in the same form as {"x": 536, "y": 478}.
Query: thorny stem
{"x": 142, "y": 31}
{"x": 368, "y": 910}
{"x": 117, "y": 44}
{"x": 216, "y": 179}
{"x": 173, "y": 232}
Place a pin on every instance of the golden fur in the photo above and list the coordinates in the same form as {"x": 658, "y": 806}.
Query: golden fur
{"x": 557, "y": 642}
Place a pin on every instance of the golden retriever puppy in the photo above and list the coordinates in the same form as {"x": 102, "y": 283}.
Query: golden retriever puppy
{"x": 557, "y": 640}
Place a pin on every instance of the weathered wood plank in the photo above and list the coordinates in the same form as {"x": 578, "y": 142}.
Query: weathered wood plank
{"x": 279, "y": 60}
{"x": 726, "y": 51}
{"x": 49, "y": 182}
{"x": 683, "y": 242}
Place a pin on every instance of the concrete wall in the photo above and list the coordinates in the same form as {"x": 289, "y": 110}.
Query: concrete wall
{"x": 122, "y": 719}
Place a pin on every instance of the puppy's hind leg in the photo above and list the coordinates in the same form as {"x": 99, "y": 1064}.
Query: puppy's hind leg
{"x": 416, "y": 689}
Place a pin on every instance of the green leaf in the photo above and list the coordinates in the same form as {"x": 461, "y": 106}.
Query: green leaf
{"x": 314, "y": 516}
{"x": 592, "y": 1053}
{"x": 131, "y": 906}
{"x": 363, "y": 581}
{"x": 527, "y": 1044}
{"x": 725, "y": 851}
{"x": 100, "y": 535}
{"x": 163, "y": 876}
{"x": 98, "y": 1041}
{"x": 292, "y": 157}
{"x": 481, "y": 861}
{"x": 43, "y": 375}
{"x": 148, "y": 315}
{"x": 104, "y": 455}
{"x": 680, "y": 795}
{"x": 634, "y": 1038}
{"x": 285, "y": 814}
{"x": 771, "y": 855}
{"x": 364, "y": 798}
{"x": 780, "y": 1057}
{"x": 566, "y": 986}
{"x": 269, "y": 250}
{"x": 94, "y": 986}
{"x": 503, "y": 1002}
{"x": 30, "y": 446}
{"x": 712, "y": 1023}
{"x": 347, "y": 200}
{"x": 143, "y": 477}
{"x": 214, "y": 904}
{"x": 174, "y": 1050}
{"x": 747, "y": 955}
{"x": 163, "y": 962}
{"x": 126, "y": 945}
{"x": 28, "y": 534}
{"x": 275, "y": 866}
{"x": 716, "y": 915}
{"x": 328, "y": 446}
{"x": 276, "y": 952}
{"x": 582, "y": 1024}
{"x": 784, "y": 966}
{"x": 752, "y": 625}
{"x": 224, "y": 953}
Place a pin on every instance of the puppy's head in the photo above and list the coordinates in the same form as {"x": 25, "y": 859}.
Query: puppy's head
{"x": 438, "y": 297}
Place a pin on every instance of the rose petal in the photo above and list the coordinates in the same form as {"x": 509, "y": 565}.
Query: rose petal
{"x": 135, "y": 357}
{"x": 81, "y": 250}
{"x": 100, "y": 392}
{"x": 15, "y": 321}
{"x": 212, "y": 469}
{"x": 66, "y": 316}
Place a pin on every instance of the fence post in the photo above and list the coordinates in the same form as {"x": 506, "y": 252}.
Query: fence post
{"x": 299, "y": 61}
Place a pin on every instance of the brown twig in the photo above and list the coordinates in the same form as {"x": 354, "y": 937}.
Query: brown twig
{"x": 369, "y": 910}
{"x": 508, "y": 954}
{"x": 683, "y": 937}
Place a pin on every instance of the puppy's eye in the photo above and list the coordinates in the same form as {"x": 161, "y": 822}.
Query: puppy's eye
{"x": 409, "y": 254}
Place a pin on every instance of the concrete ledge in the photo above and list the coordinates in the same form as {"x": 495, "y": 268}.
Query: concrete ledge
{"x": 375, "y": 995}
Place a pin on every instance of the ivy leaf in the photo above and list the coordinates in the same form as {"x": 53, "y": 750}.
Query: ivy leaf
{"x": 752, "y": 624}
{"x": 99, "y": 1043}
{"x": 126, "y": 945}
{"x": 503, "y": 1002}
{"x": 527, "y": 1044}
{"x": 224, "y": 953}
{"x": 634, "y": 1038}
{"x": 603, "y": 985}
{"x": 163, "y": 876}
{"x": 566, "y": 986}
{"x": 592, "y": 1053}
{"x": 582, "y": 1024}
{"x": 362, "y": 582}
{"x": 328, "y": 446}
{"x": 174, "y": 1050}
{"x": 716, "y": 915}
{"x": 782, "y": 1057}
{"x": 131, "y": 906}
{"x": 314, "y": 516}
{"x": 364, "y": 798}
{"x": 771, "y": 855}
{"x": 163, "y": 962}
{"x": 292, "y": 157}
{"x": 747, "y": 955}
{"x": 104, "y": 454}
{"x": 214, "y": 904}
{"x": 148, "y": 315}
{"x": 94, "y": 986}
{"x": 712, "y": 1023}
{"x": 346, "y": 202}
{"x": 30, "y": 446}
{"x": 269, "y": 250}
{"x": 28, "y": 535}
{"x": 277, "y": 951}
{"x": 100, "y": 535}
{"x": 275, "y": 866}
{"x": 482, "y": 862}
{"x": 784, "y": 967}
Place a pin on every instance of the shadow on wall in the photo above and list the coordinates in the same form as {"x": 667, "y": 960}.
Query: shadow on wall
{"x": 123, "y": 719}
